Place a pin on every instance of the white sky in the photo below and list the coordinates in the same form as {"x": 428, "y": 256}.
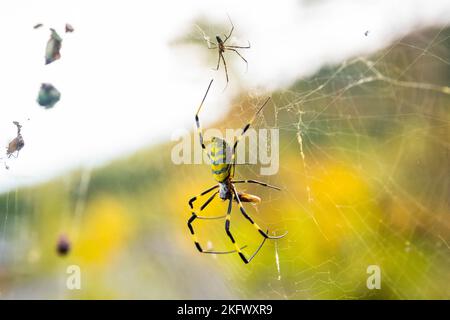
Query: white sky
{"x": 124, "y": 86}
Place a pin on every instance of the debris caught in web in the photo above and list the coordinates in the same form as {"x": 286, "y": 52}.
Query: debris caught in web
{"x": 4, "y": 163}
{"x": 16, "y": 144}
{"x": 69, "y": 28}
{"x": 53, "y": 47}
{"x": 48, "y": 96}
{"x": 366, "y": 33}
{"x": 37, "y": 26}
{"x": 63, "y": 245}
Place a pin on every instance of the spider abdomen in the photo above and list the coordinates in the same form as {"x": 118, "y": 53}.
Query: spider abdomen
{"x": 221, "y": 162}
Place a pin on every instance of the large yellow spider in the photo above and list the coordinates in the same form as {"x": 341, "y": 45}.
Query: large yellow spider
{"x": 223, "y": 162}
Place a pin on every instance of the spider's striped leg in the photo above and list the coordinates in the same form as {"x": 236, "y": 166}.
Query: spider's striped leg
{"x": 197, "y": 119}
{"x": 257, "y": 182}
{"x": 244, "y": 213}
{"x": 228, "y": 231}
{"x": 194, "y": 236}
{"x": 244, "y": 130}
{"x": 194, "y": 198}
{"x": 4, "y": 163}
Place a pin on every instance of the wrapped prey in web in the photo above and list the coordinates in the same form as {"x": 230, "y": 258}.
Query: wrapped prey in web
{"x": 246, "y": 197}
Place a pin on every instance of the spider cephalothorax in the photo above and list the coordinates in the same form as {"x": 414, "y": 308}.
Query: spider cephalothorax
{"x": 222, "y": 157}
{"x": 225, "y": 190}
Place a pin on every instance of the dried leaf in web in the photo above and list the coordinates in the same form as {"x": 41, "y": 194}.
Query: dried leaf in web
{"x": 48, "y": 96}
{"x": 53, "y": 47}
{"x": 69, "y": 28}
{"x": 17, "y": 143}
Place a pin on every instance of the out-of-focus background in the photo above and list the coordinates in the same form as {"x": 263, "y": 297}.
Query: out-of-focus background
{"x": 361, "y": 96}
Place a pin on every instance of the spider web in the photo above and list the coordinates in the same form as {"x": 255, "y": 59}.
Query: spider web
{"x": 364, "y": 168}
{"x": 364, "y": 171}
{"x": 365, "y": 147}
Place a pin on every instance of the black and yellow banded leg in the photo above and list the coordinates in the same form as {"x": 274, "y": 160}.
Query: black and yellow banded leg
{"x": 193, "y": 199}
{"x": 244, "y": 213}
{"x": 230, "y": 235}
{"x": 257, "y": 182}
{"x": 193, "y": 217}
{"x": 197, "y": 119}
{"x": 211, "y": 45}
{"x": 244, "y": 130}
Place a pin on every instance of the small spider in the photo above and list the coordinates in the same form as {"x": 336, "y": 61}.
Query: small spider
{"x": 222, "y": 47}
{"x": 16, "y": 144}
{"x": 223, "y": 162}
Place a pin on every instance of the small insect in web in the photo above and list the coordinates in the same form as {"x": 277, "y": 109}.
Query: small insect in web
{"x": 223, "y": 162}
{"x": 16, "y": 144}
{"x": 69, "y": 28}
{"x": 221, "y": 46}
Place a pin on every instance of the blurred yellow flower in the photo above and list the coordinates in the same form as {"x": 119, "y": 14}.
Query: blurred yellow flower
{"x": 105, "y": 230}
